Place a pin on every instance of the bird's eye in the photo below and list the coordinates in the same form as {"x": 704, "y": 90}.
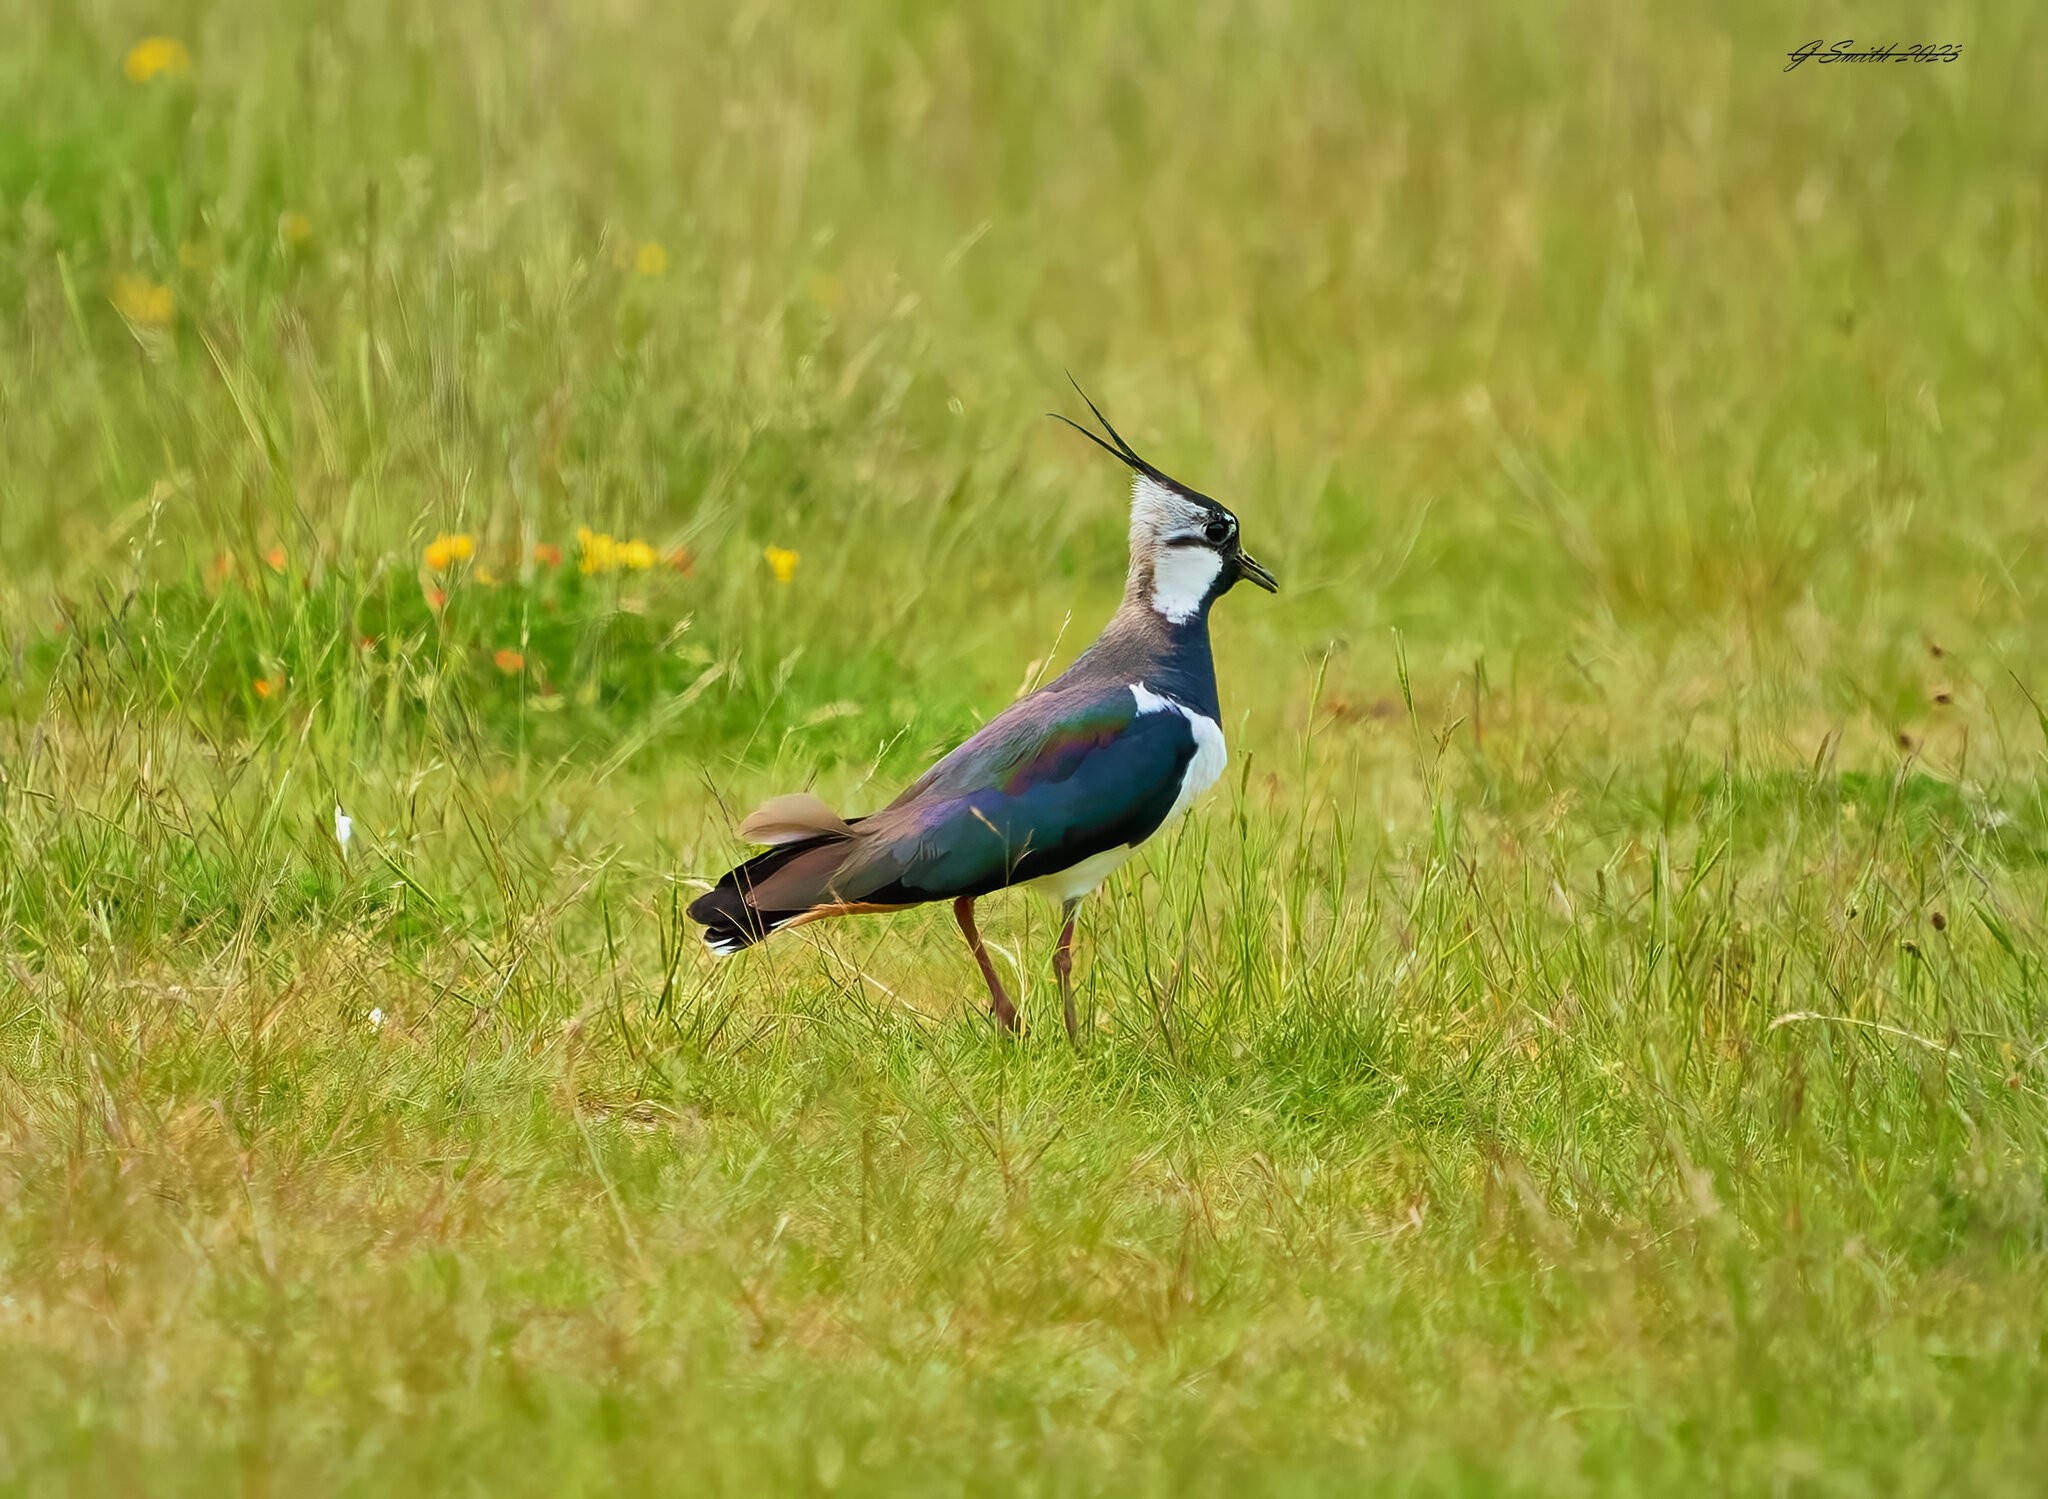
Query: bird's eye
{"x": 1216, "y": 532}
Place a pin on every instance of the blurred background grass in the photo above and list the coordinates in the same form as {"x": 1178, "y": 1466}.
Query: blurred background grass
{"x": 1650, "y": 444}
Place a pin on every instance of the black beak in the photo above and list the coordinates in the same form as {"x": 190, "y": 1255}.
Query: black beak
{"x": 1250, "y": 568}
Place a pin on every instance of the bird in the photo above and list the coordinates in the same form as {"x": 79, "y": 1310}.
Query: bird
{"x": 1056, "y": 791}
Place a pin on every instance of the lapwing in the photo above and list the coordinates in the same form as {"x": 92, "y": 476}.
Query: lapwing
{"x": 1054, "y": 792}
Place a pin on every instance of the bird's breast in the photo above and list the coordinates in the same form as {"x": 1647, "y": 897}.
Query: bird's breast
{"x": 1201, "y": 772}
{"x": 1210, "y": 756}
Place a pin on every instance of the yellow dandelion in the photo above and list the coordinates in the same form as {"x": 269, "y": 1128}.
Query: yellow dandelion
{"x": 651, "y": 260}
{"x": 782, "y": 562}
{"x": 154, "y": 56}
{"x": 141, "y": 300}
{"x": 445, "y": 550}
{"x": 597, "y": 551}
{"x": 294, "y": 228}
{"x": 637, "y": 555}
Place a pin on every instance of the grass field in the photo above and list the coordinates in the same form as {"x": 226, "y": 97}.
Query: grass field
{"x": 1594, "y": 1040}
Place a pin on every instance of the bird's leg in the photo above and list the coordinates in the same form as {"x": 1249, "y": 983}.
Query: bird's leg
{"x": 1063, "y": 965}
{"x": 998, "y": 1001}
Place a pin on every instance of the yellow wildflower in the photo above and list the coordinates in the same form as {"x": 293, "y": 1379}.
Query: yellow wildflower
{"x": 141, "y": 300}
{"x": 294, "y": 228}
{"x": 651, "y": 260}
{"x": 597, "y": 551}
{"x": 445, "y": 550}
{"x": 782, "y": 562}
{"x": 601, "y": 552}
{"x": 154, "y": 55}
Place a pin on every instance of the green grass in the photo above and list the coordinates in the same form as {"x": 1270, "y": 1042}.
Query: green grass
{"x": 1596, "y": 1038}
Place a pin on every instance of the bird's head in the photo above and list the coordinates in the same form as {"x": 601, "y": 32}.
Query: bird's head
{"x": 1185, "y": 551}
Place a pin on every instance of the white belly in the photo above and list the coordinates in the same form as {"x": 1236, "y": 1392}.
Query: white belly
{"x": 1077, "y": 880}
{"x": 1210, "y": 757}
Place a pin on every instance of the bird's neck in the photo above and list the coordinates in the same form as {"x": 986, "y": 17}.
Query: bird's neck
{"x": 1171, "y": 657}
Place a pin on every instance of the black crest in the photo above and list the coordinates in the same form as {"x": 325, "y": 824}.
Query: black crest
{"x": 1122, "y": 451}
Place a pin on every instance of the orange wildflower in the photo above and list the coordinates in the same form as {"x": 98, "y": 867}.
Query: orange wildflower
{"x": 447, "y": 549}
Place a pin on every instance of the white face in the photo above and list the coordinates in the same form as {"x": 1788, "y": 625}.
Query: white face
{"x": 1181, "y": 579}
{"x": 1182, "y": 540}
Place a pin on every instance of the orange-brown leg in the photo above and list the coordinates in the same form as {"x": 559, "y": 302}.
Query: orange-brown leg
{"x": 998, "y": 1001}
{"x": 1063, "y": 965}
